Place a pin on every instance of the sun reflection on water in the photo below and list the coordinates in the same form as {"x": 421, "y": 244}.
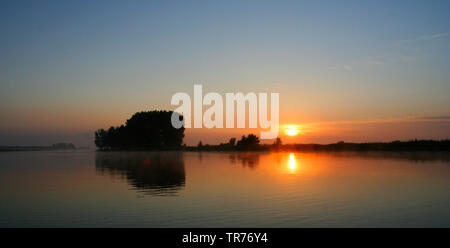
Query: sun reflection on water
{"x": 292, "y": 164}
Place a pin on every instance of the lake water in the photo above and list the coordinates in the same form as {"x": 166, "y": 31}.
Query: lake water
{"x": 220, "y": 189}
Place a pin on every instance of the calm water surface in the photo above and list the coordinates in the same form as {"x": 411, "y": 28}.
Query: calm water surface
{"x": 175, "y": 189}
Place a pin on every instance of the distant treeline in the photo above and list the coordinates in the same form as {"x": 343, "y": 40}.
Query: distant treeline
{"x": 413, "y": 145}
{"x": 247, "y": 143}
{"x": 57, "y": 146}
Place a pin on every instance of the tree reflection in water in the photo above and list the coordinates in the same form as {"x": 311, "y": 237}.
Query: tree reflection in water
{"x": 152, "y": 173}
{"x": 250, "y": 160}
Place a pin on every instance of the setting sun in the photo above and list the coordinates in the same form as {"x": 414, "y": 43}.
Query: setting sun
{"x": 292, "y": 130}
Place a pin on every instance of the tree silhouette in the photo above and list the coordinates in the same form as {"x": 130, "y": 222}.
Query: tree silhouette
{"x": 277, "y": 144}
{"x": 247, "y": 143}
{"x": 150, "y": 130}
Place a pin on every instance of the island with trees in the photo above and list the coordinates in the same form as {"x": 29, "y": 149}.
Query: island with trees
{"x": 150, "y": 130}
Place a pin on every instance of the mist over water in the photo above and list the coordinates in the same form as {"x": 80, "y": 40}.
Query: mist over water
{"x": 224, "y": 189}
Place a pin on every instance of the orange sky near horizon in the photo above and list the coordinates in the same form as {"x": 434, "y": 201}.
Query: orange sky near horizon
{"x": 322, "y": 132}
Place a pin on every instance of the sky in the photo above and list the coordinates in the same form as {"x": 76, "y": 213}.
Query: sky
{"x": 345, "y": 70}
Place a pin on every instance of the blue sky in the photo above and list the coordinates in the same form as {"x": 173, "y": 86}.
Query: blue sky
{"x": 70, "y": 67}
